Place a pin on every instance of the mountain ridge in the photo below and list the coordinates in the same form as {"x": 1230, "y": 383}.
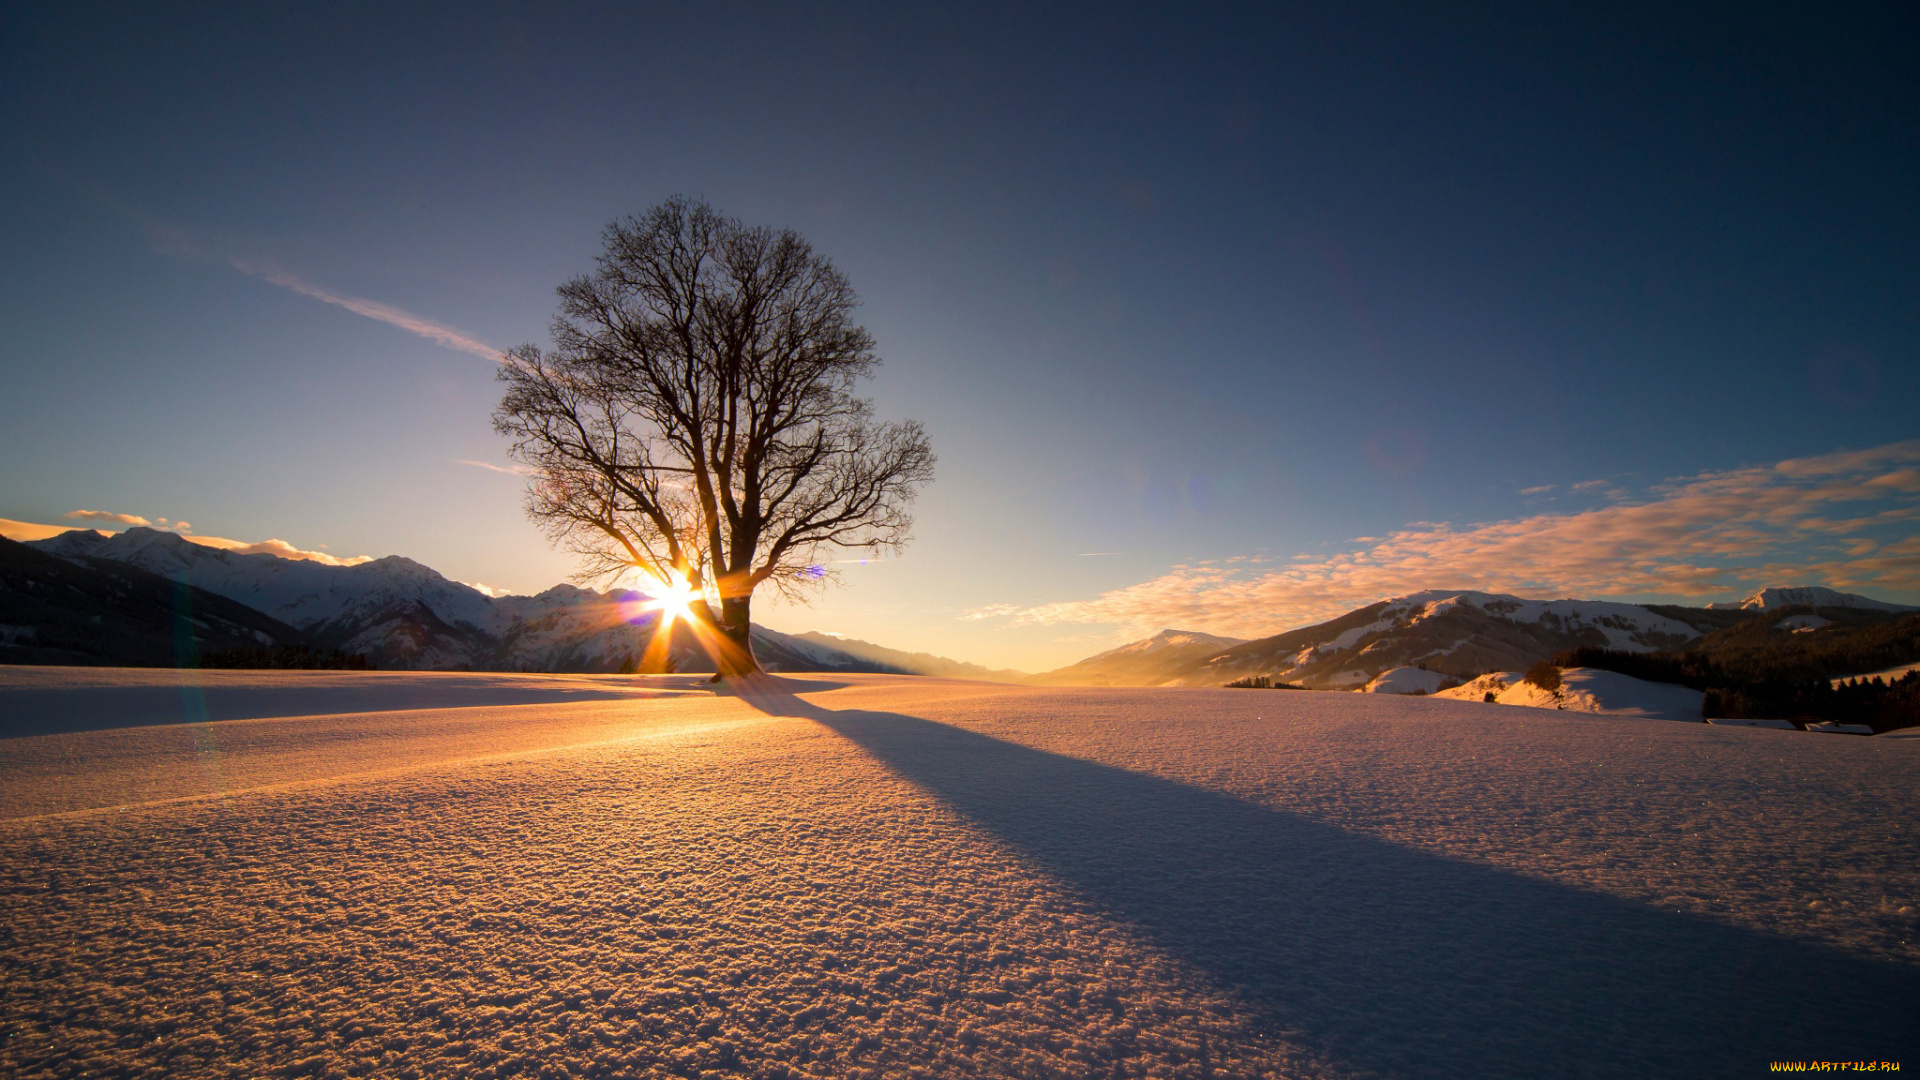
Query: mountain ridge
{"x": 406, "y": 615}
{"x": 1139, "y": 663}
{"x": 1457, "y": 634}
{"x": 90, "y": 611}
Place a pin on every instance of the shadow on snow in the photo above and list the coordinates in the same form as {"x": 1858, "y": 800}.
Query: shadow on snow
{"x": 1395, "y": 961}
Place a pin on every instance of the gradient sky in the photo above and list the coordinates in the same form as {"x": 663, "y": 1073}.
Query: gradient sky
{"x": 1225, "y": 321}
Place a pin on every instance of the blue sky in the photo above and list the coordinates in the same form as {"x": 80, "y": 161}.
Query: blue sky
{"x": 1463, "y": 298}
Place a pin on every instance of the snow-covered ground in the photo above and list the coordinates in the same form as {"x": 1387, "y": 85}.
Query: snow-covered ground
{"x": 884, "y": 876}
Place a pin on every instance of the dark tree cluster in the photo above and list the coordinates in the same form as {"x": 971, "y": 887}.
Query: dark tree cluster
{"x": 285, "y": 658}
{"x": 1263, "y": 682}
{"x": 1756, "y": 671}
{"x": 1880, "y": 705}
{"x": 1545, "y": 674}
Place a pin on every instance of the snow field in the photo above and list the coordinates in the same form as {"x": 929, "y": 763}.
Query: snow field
{"x": 907, "y": 877}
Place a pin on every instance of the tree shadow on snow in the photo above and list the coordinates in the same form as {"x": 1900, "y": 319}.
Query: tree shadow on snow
{"x": 1398, "y": 962}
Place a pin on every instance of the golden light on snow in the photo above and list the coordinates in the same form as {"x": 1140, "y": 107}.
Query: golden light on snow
{"x": 850, "y": 875}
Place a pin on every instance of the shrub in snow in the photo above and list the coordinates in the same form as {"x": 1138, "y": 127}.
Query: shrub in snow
{"x": 1545, "y": 675}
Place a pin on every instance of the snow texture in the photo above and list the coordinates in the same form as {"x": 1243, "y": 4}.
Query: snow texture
{"x": 880, "y": 876}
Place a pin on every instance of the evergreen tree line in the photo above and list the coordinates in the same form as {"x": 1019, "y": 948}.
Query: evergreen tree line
{"x": 286, "y": 657}
{"x": 1756, "y": 672}
{"x": 1262, "y": 682}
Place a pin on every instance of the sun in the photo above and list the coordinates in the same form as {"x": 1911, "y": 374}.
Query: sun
{"x": 673, "y": 599}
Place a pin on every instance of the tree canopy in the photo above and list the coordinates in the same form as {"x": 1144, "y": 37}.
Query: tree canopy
{"x": 695, "y": 419}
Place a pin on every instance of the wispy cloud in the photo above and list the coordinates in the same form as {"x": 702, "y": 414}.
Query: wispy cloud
{"x": 419, "y": 325}
{"x": 510, "y": 470}
{"x": 182, "y": 243}
{"x": 1846, "y": 519}
{"x": 996, "y": 611}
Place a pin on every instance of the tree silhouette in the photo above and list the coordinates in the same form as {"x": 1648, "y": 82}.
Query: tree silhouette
{"x": 695, "y": 420}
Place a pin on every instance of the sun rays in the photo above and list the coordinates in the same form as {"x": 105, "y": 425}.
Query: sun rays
{"x": 666, "y": 603}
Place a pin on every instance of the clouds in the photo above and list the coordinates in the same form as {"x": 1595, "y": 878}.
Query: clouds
{"x": 372, "y": 309}
{"x": 24, "y": 531}
{"x": 180, "y": 243}
{"x": 276, "y": 547}
{"x": 1846, "y": 519}
{"x": 102, "y": 517}
{"x": 510, "y": 470}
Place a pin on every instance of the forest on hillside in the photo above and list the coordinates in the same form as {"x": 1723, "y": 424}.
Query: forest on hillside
{"x": 1775, "y": 666}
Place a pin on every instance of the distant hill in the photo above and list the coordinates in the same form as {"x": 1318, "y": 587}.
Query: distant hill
{"x": 1808, "y": 596}
{"x": 911, "y": 663}
{"x": 1455, "y": 633}
{"x": 1147, "y": 662}
{"x": 96, "y": 611}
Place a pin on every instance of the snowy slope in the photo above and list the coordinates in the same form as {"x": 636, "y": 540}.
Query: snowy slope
{"x": 1406, "y": 680}
{"x": 1587, "y": 690}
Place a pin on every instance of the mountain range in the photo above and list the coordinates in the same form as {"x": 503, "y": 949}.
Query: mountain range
{"x": 394, "y": 611}
{"x": 145, "y": 596}
{"x": 1455, "y": 634}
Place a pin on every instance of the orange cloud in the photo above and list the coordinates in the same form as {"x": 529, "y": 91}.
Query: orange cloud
{"x": 1696, "y": 536}
{"x": 102, "y": 517}
{"x": 24, "y": 531}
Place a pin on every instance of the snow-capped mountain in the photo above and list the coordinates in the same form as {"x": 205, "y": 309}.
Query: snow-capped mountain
{"x": 309, "y": 595}
{"x": 400, "y": 614}
{"x": 95, "y": 611}
{"x": 1453, "y": 632}
{"x": 1457, "y": 634}
{"x": 1808, "y": 596}
{"x": 1147, "y": 662}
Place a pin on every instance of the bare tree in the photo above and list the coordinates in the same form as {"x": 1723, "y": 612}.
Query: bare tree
{"x": 695, "y": 419}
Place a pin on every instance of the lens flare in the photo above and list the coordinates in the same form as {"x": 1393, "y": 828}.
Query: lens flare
{"x": 669, "y": 600}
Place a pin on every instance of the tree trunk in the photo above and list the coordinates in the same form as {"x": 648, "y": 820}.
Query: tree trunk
{"x": 734, "y": 645}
